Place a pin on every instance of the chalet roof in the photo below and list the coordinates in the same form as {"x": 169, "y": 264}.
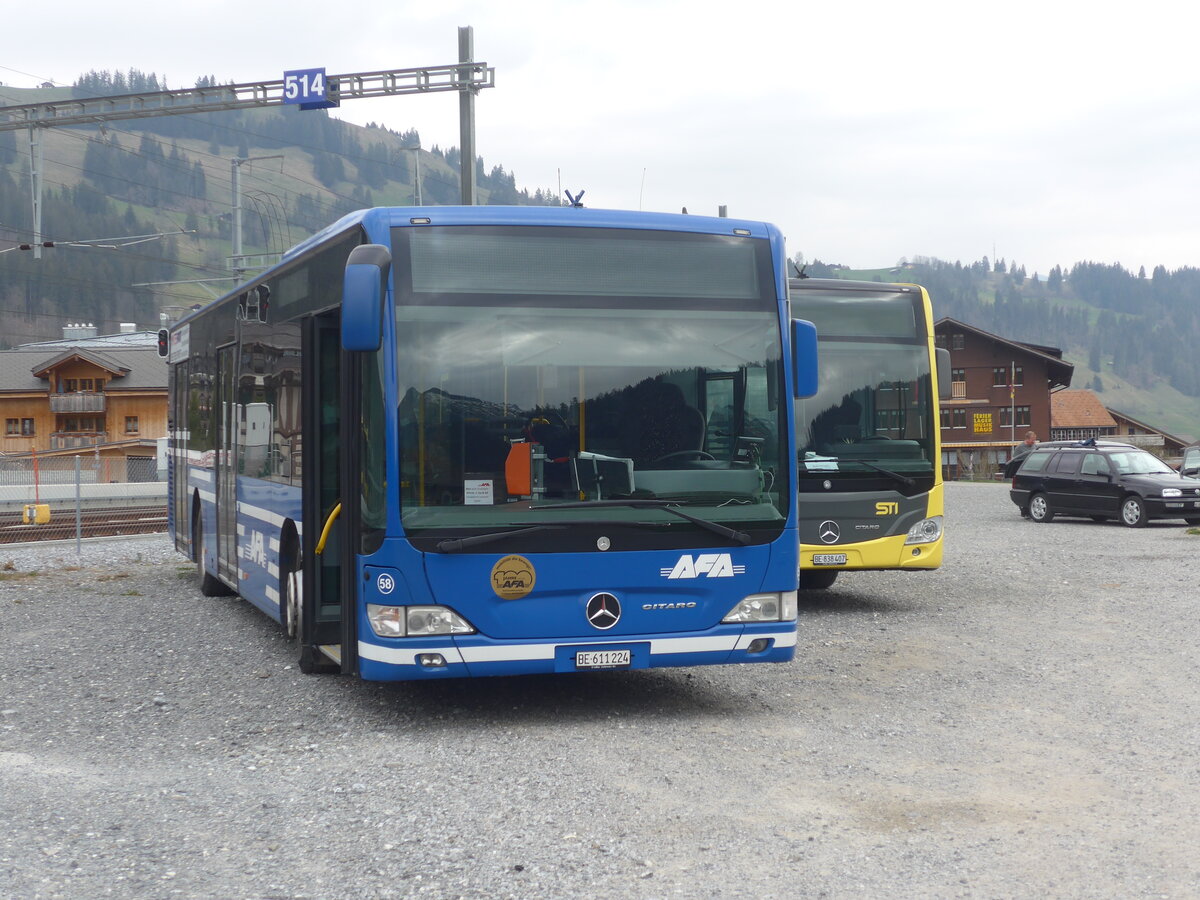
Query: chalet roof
{"x": 100, "y": 360}
{"x": 1182, "y": 439}
{"x": 1058, "y": 371}
{"x": 1078, "y": 409}
{"x": 21, "y": 369}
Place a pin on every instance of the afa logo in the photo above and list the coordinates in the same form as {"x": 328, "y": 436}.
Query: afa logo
{"x": 513, "y": 577}
{"x": 707, "y": 565}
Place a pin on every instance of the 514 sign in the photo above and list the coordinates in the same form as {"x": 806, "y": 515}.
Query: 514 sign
{"x": 308, "y": 89}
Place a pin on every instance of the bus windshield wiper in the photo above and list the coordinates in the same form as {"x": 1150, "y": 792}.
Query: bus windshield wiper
{"x": 903, "y": 479}
{"x": 453, "y": 545}
{"x": 665, "y": 505}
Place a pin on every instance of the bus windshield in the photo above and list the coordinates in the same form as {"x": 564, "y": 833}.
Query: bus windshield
{"x": 874, "y": 417}
{"x": 531, "y": 377}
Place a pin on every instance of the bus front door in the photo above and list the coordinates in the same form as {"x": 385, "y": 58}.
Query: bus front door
{"x": 226, "y": 463}
{"x": 328, "y": 641}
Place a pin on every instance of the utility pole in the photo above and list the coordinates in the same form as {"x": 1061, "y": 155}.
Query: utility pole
{"x": 417, "y": 174}
{"x": 466, "y": 112}
{"x": 35, "y": 184}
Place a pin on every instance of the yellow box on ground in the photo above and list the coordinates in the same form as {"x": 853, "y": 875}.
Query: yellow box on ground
{"x": 36, "y": 514}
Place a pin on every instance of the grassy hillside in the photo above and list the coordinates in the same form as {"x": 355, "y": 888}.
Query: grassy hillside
{"x": 174, "y": 174}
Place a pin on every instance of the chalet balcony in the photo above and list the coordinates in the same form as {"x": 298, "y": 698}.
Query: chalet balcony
{"x": 1145, "y": 441}
{"x": 77, "y": 402}
{"x": 70, "y": 440}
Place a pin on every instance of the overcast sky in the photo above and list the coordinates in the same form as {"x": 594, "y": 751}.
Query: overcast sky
{"x": 1040, "y": 132}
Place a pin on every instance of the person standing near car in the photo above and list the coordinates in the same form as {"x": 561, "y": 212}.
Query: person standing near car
{"x": 1010, "y": 469}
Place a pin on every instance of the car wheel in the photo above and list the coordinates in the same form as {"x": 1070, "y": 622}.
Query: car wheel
{"x": 817, "y": 580}
{"x": 1039, "y": 508}
{"x": 1133, "y": 511}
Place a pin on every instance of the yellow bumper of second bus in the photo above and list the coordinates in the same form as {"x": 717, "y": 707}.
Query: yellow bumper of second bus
{"x": 885, "y": 553}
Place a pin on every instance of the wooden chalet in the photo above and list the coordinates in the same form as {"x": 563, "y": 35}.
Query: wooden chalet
{"x": 104, "y": 396}
{"x": 1001, "y": 389}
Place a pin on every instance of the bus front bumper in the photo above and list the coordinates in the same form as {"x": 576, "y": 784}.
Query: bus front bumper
{"x": 474, "y": 655}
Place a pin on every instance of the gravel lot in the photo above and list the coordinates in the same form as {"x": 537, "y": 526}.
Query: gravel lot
{"x": 1021, "y": 723}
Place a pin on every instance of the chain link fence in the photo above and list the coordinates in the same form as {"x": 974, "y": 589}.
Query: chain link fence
{"x": 62, "y": 498}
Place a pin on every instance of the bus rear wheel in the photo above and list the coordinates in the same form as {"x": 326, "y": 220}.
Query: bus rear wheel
{"x": 210, "y": 586}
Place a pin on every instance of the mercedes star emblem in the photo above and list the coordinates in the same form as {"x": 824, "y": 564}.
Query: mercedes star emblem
{"x": 603, "y": 611}
{"x": 829, "y": 532}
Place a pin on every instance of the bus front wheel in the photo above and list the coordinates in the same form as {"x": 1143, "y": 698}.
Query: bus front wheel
{"x": 291, "y": 599}
{"x": 817, "y": 580}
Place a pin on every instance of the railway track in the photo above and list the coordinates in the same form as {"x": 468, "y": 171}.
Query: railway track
{"x": 93, "y": 523}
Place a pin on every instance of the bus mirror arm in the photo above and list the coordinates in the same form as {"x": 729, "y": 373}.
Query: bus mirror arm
{"x": 364, "y": 286}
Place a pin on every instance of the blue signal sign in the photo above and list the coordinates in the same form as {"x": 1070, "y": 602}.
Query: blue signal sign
{"x": 308, "y": 89}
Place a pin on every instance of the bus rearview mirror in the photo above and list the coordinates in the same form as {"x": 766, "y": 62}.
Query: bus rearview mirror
{"x": 942, "y": 355}
{"x": 363, "y": 289}
{"x": 804, "y": 358}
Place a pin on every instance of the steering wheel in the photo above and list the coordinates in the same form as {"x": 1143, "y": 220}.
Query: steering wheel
{"x": 685, "y": 454}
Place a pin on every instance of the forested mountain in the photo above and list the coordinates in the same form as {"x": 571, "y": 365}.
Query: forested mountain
{"x": 158, "y": 191}
{"x": 1112, "y": 323}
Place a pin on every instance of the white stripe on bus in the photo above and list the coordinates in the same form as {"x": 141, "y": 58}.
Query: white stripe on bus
{"x": 397, "y": 656}
{"x": 265, "y": 515}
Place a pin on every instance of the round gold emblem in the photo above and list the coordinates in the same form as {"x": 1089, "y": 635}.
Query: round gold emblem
{"x": 513, "y": 577}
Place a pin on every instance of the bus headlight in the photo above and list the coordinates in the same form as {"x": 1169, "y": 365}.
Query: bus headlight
{"x": 924, "y": 532}
{"x": 415, "y": 621}
{"x": 779, "y": 607}
{"x": 429, "y": 620}
{"x": 386, "y": 621}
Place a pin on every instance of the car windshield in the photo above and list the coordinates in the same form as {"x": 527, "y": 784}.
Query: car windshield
{"x": 1139, "y": 462}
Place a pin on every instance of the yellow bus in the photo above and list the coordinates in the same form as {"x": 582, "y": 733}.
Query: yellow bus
{"x": 870, "y": 479}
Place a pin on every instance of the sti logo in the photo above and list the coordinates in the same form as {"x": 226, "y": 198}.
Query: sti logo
{"x": 710, "y": 565}
{"x": 887, "y": 509}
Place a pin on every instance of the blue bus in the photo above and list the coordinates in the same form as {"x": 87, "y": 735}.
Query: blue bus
{"x": 459, "y": 441}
